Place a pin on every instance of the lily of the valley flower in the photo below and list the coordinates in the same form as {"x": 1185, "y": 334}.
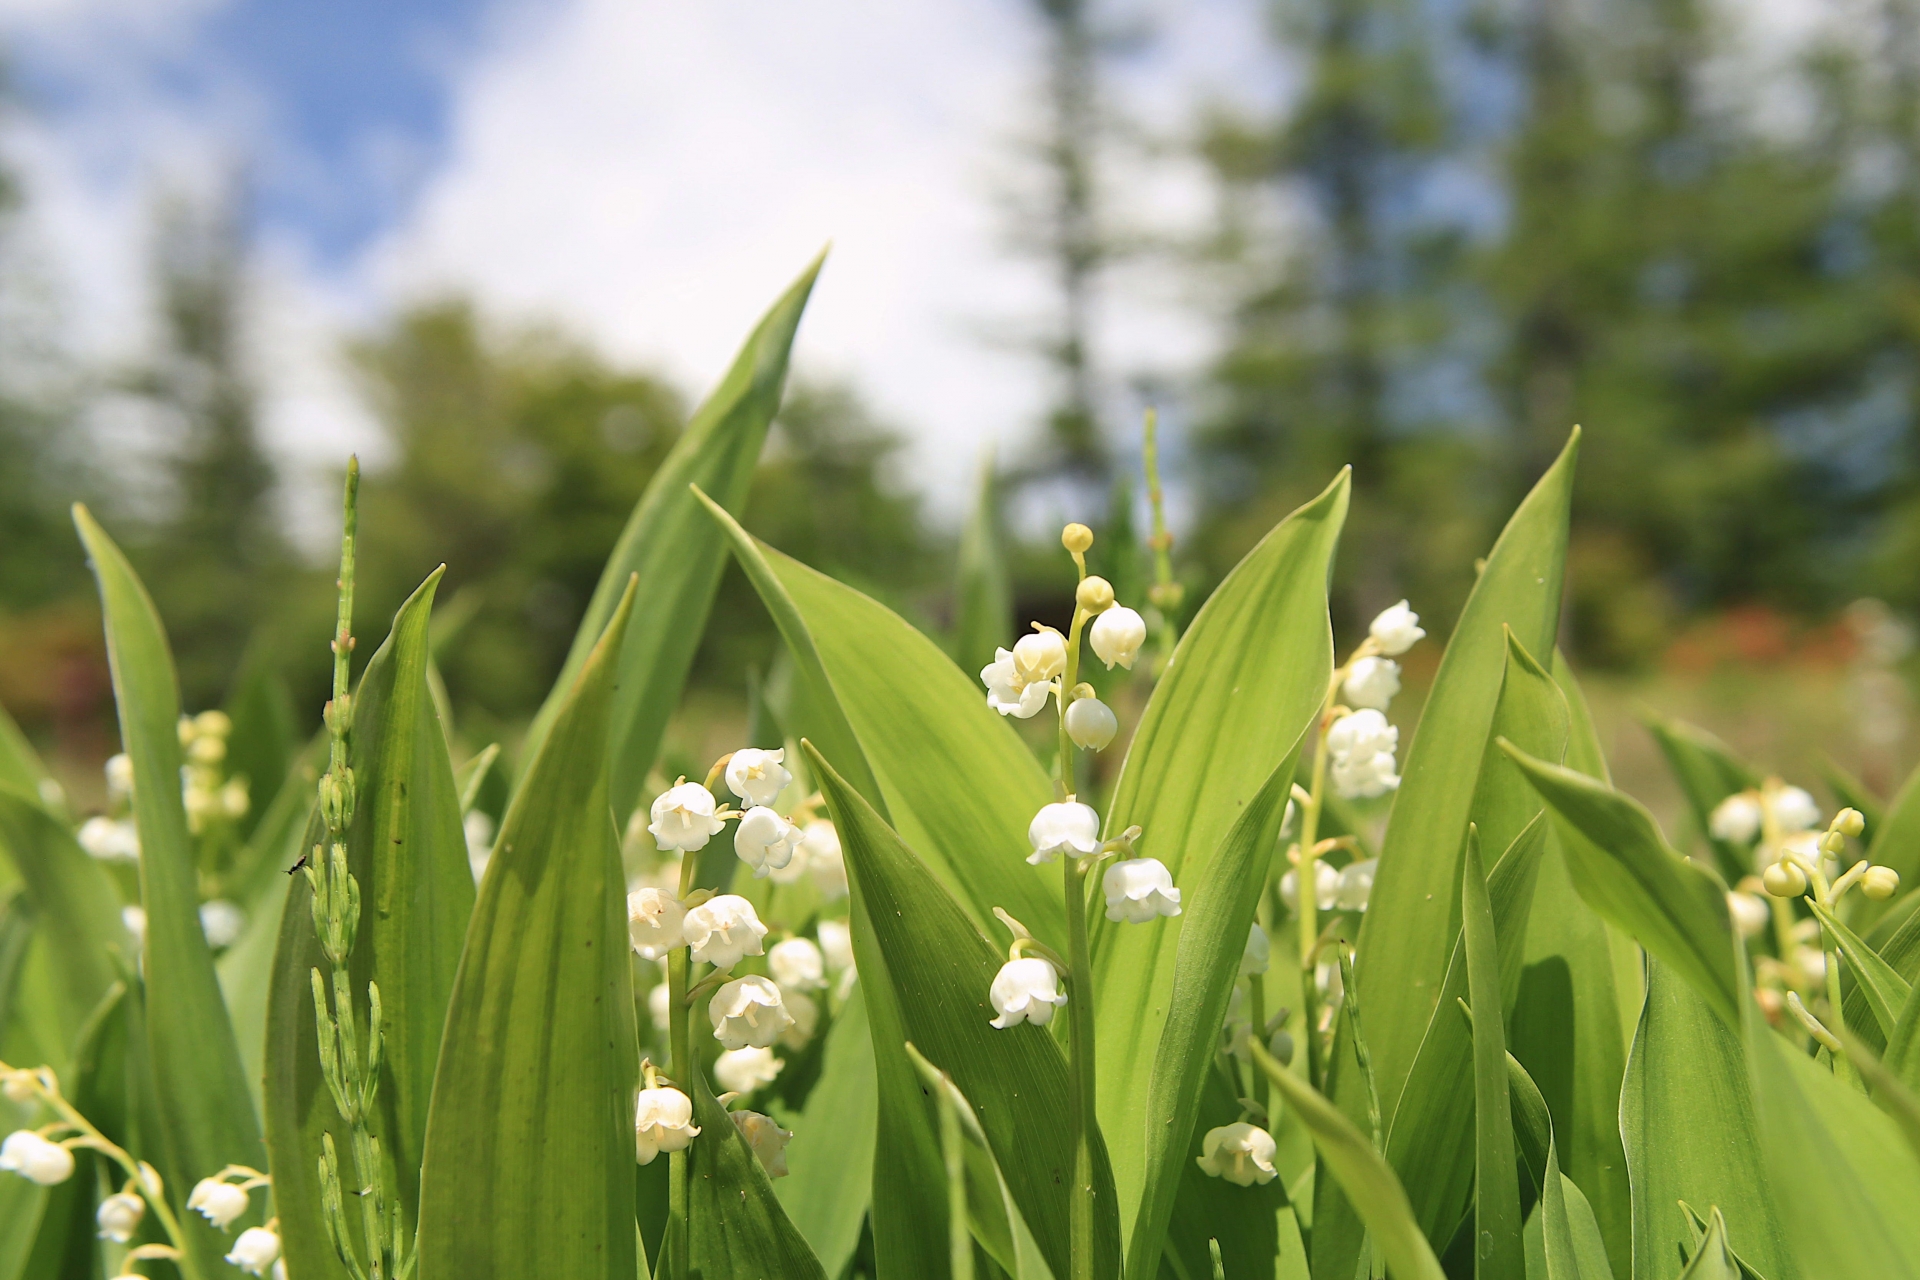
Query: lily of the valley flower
{"x": 744, "y": 1070}
{"x": 35, "y": 1158}
{"x": 767, "y": 1139}
{"x": 825, "y": 861}
{"x": 723, "y": 929}
{"x": 1066, "y": 828}
{"x": 217, "y": 1201}
{"x": 1396, "y": 630}
{"x": 1116, "y": 636}
{"x": 1736, "y": 819}
{"x": 662, "y": 1121}
{"x": 1138, "y": 890}
{"x": 110, "y": 839}
{"x": 660, "y": 1007}
{"x": 655, "y": 922}
{"x": 1371, "y": 682}
{"x": 806, "y": 1019}
{"x": 222, "y": 922}
{"x": 1240, "y": 1153}
{"x": 1259, "y": 952}
{"x": 1750, "y": 915}
{"x": 1091, "y": 723}
{"x": 765, "y": 841}
{"x": 757, "y": 776}
{"x": 119, "y": 770}
{"x": 797, "y": 965}
{"x": 1025, "y": 990}
{"x": 683, "y": 818}
{"x": 1362, "y": 746}
{"x": 748, "y": 1011}
{"x": 836, "y": 944}
{"x": 1794, "y": 809}
{"x": 1880, "y": 883}
{"x": 1019, "y": 679}
{"x": 1326, "y": 883}
{"x": 255, "y": 1251}
{"x": 1355, "y": 885}
{"x": 119, "y": 1216}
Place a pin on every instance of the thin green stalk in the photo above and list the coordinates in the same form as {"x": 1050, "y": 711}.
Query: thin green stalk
{"x": 1257, "y": 1028}
{"x": 1306, "y": 905}
{"x": 681, "y": 1050}
{"x": 1081, "y": 1095}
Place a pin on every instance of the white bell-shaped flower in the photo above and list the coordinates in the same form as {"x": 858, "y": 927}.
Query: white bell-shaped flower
{"x": 1025, "y": 990}
{"x": 1736, "y": 819}
{"x": 723, "y": 929}
{"x": 477, "y": 828}
{"x": 825, "y": 861}
{"x": 1138, "y": 890}
{"x": 660, "y": 1007}
{"x": 836, "y": 944}
{"x": 683, "y": 818}
{"x": 1794, "y": 809}
{"x": 1116, "y": 636}
{"x": 662, "y": 1121}
{"x": 1039, "y": 656}
{"x": 255, "y": 1251}
{"x": 1007, "y": 693}
{"x": 655, "y": 922}
{"x": 1372, "y": 682}
{"x": 1749, "y": 914}
{"x": 110, "y": 839}
{"x": 119, "y": 771}
{"x": 1240, "y": 1153}
{"x": 1396, "y": 630}
{"x": 1361, "y": 746}
{"x": 797, "y": 965}
{"x": 1326, "y": 883}
{"x": 806, "y": 1019}
{"x": 119, "y": 1216}
{"x": 217, "y": 1201}
{"x": 765, "y": 841}
{"x": 767, "y": 1139}
{"x": 744, "y": 1070}
{"x": 1355, "y": 885}
{"x": 35, "y": 1158}
{"x": 1259, "y": 952}
{"x": 757, "y": 776}
{"x": 1069, "y": 828}
{"x": 1091, "y": 724}
{"x": 133, "y": 919}
{"x": 222, "y": 922}
{"x": 748, "y": 1011}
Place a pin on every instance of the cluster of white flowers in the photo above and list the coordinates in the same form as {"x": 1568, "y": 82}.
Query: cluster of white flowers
{"x": 1360, "y": 748}
{"x": 208, "y": 793}
{"x": 1019, "y": 679}
{"x": 221, "y": 1202}
{"x": 1741, "y": 817}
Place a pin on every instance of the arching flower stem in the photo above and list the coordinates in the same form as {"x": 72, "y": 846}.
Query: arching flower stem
{"x": 1080, "y": 1046}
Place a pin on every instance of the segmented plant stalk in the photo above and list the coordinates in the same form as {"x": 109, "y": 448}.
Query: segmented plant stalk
{"x": 353, "y": 1077}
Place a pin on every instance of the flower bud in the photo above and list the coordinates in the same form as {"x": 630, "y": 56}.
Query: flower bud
{"x": 1076, "y": 538}
{"x": 662, "y": 1121}
{"x": 748, "y": 1011}
{"x": 34, "y": 1158}
{"x": 1025, "y": 990}
{"x": 1396, "y": 630}
{"x": 119, "y": 1216}
{"x": 222, "y": 922}
{"x": 660, "y": 1007}
{"x": 1280, "y": 1045}
{"x": 1091, "y": 724}
{"x": 1355, "y": 885}
{"x": 1880, "y": 883}
{"x": 120, "y": 777}
{"x": 1139, "y": 890}
{"x": 757, "y": 776}
{"x": 1094, "y": 595}
{"x": 19, "y": 1086}
{"x": 1240, "y": 1153}
{"x": 1784, "y": 879}
{"x": 825, "y": 860}
{"x": 836, "y": 944}
{"x": 1748, "y": 913}
{"x": 806, "y": 1019}
{"x": 1833, "y": 844}
{"x": 766, "y": 1138}
{"x": 217, "y": 1201}
{"x": 255, "y": 1251}
{"x": 1326, "y": 882}
{"x": 723, "y": 929}
{"x": 655, "y": 920}
{"x": 1849, "y": 822}
{"x": 744, "y": 1070}
{"x": 1116, "y": 636}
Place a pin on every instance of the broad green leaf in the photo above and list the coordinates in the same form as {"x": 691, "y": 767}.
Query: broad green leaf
{"x": 1563, "y": 1238}
{"x": 831, "y": 1155}
{"x": 408, "y": 852}
{"x": 246, "y": 968}
{"x": 1890, "y": 1093}
{"x": 1895, "y": 937}
{"x": 20, "y": 766}
{"x": 529, "y": 1146}
{"x": 1713, "y": 1260}
{"x": 956, "y": 780}
{"x": 1886, "y": 991}
{"x": 1407, "y": 931}
{"x": 984, "y": 597}
{"x": 677, "y": 553}
{"x": 205, "y": 1109}
{"x": 1625, "y": 871}
{"x": 1218, "y": 912}
{"x": 1498, "y": 1251}
{"x": 1247, "y": 679}
{"x": 1687, "y": 1114}
{"x": 1902, "y": 1056}
{"x": 1369, "y": 1182}
{"x": 1708, "y": 772}
{"x": 1699, "y": 1226}
{"x": 941, "y": 970}
{"x": 73, "y": 895}
{"x": 738, "y": 1226}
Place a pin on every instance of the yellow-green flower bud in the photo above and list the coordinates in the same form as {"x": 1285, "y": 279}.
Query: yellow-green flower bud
{"x": 1849, "y": 822}
{"x": 1784, "y": 880}
{"x": 1880, "y": 883}
{"x": 1095, "y": 595}
{"x": 1076, "y": 538}
{"x": 1833, "y": 843}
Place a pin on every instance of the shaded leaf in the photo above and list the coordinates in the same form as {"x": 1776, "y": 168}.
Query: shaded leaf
{"x": 831, "y": 1154}
{"x": 75, "y": 897}
{"x": 1497, "y": 1223}
{"x": 738, "y": 1226}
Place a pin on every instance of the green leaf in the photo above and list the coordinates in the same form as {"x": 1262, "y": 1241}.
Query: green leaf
{"x": 1365, "y": 1176}
{"x": 1497, "y": 1224}
{"x": 1687, "y": 1115}
{"x": 1625, "y": 871}
{"x": 1902, "y": 1056}
{"x": 1218, "y": 912}
{"x": 984, "y": 596}
{"x": 205, "y": 1109}
{"x": 738, "y": 1226}
{"x": 831, "y": 1154}
{"x": 1885, "y": 989}
{"x": 953, "y": 776}
{"x": 677, "y": 553}
{"x": 74, "y": 896}
{"x": 1408, "y": 928}
{"x": 941, "y": 970}
{"x": 1894, "y": 842}
{"x": 1890, "y": 1093}
{"x": 529, "y": 1149}
{"x": 1248, "y": 677}
{"x": 1713, "y": 1260}
{"x": 1708, "y": 772}
{"x": 408, "y": 852}
{"x": 1895, "y": 936}
{"x": 20, "y": 765}
{"x": 1254, "y": 1227}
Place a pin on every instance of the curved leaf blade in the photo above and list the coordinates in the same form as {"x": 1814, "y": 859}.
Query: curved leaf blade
{"x": 739, "y": 1228}
{"x": 831, "y": 1155}
{"x": 1497, "y": 1224}
{"x": 1885, "y": 990}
